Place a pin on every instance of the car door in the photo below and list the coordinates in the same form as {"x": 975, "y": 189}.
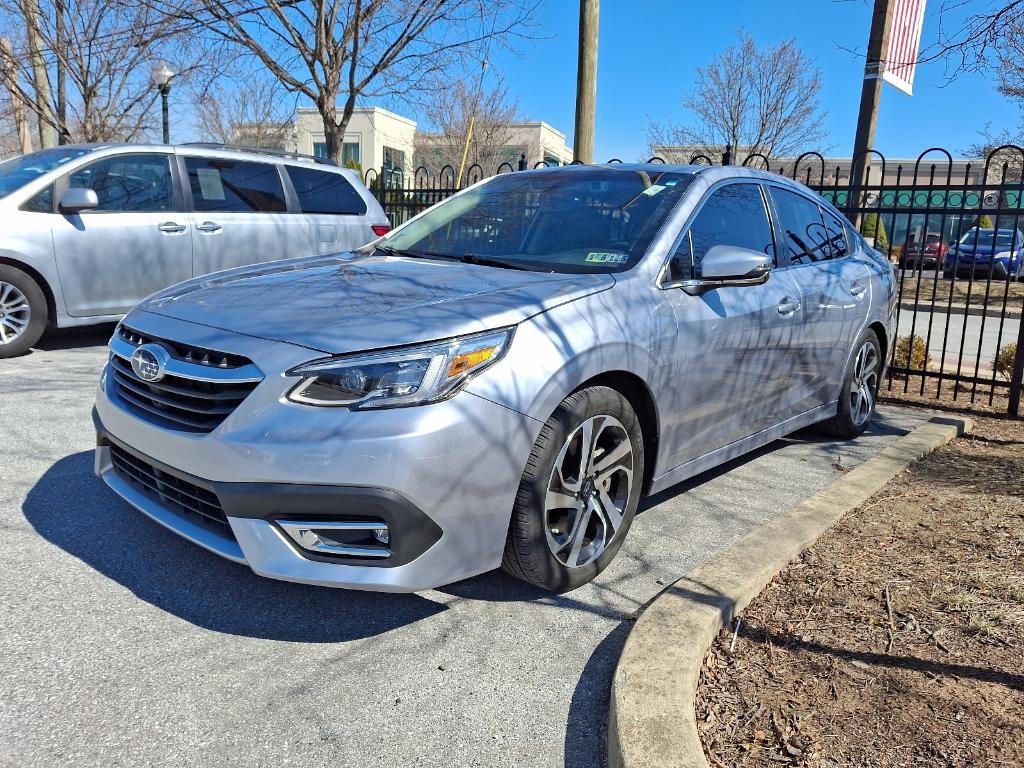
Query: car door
{"x": 834, "y": 289}
{"x": 135, "y": 242}
{"x": 730, "y": 351}
{"x": 335, "y": 209}
{"x": 239, "y": 214}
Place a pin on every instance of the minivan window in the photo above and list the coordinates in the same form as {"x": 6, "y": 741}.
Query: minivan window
{"x": 19, "y": 171}
{"x": 585, "y": 220}
{"x": 227, "y": 186}
{"x": 128, "y": 183}
{"x": 324, "y": 192}
{"x": 732, "y": 215}
{"x": 804, "y": 231}
{"x": 41, "y": 201}
{"x": 838, "y": 246}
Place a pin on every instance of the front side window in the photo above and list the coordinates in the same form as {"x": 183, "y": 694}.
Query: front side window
{"x": 324, "y": 192}
{"x": 733, "y": 215}
{"x": 802, "y": 227}
{"x": 41, "y": 201}
{"x": 572, "y": 220}
{"x": 225, "y": 186}
{"x": 836, "y": 232}
{"x": 128, "y": 183}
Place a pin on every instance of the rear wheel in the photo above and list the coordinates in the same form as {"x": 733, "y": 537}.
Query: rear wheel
{"x": 22, "y": 312}
{"x": 859, "y": 393}
{"x": 579, "y": 492}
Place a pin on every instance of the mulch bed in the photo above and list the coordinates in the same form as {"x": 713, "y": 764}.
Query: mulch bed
{"x": 898, "y": 639}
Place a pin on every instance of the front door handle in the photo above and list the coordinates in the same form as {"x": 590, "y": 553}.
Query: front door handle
{"x": 171, "y": 227}
{"x": 857, "y": 288}
{"x": 788, "y": 307}
{"x": 209, "y": 226}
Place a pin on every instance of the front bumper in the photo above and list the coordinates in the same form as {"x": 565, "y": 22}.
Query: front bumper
{"x": 443, "y": 477}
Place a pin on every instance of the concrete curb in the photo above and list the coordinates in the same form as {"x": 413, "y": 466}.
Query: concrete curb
{"x": 993, "y": 310}
{"x": 652, "y": 723}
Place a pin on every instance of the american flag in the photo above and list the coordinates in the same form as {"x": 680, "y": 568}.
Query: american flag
{"x": 904, "y": 39}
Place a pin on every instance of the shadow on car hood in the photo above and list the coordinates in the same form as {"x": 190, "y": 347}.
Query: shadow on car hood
{"x": 340, "y": 304}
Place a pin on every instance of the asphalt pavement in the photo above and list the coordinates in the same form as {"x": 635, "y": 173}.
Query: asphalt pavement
{"x": 124, "y": 645}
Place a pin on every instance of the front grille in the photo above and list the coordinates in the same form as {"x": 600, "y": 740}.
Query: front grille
{"x": 170, "y": 491}
{"x": 192, "y": 403}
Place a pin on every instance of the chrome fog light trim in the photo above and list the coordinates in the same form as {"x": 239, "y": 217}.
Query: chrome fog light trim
{"x": 315, "y": 536}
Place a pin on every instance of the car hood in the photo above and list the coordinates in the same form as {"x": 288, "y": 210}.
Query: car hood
{"x": 344, "y": 304}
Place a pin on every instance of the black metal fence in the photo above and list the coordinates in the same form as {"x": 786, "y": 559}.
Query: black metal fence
{"x": 951, "y": 227}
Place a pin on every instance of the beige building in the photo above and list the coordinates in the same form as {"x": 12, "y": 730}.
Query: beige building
{"x": 533, "y": 141}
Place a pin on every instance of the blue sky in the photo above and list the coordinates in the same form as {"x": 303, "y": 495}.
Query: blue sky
{"x": 648, "y": 50}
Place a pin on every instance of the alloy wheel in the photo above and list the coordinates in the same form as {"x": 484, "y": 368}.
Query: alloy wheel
{"x": 588, "y": 491}
{"x": 15, "y": 312}
{"x": 864, "y": 384}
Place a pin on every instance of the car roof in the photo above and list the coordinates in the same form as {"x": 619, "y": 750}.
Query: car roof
{"x": 213, "y": 150}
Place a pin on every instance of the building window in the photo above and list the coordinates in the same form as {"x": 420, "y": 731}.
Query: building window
{"x": 552, "y": 159}
{"x": 394, "y": 159}
{"x": 350, "y": 157}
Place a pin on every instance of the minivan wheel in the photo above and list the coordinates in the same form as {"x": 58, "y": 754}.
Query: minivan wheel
{"x": 579, "y": 492}
{"x": 859, "y": 392}
{"x": 22, "y": 312}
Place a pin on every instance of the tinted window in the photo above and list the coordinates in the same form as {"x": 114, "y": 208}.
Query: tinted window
{"x": 18, "y": 171}
{"x": 229, "y": 185}
{"x": 804, "y": 232}
{"x": 836, "y": 235}
{"x": 40, "y": 202}
{"x": 128, "y": 183}
{"x": 733, "y": 215}
{"x": 323, "y": 192}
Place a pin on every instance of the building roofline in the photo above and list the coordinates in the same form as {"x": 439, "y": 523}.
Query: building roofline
{"x": 364, "y": 111}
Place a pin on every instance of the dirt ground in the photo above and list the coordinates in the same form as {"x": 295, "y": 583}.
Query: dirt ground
{"x": 977, "y": 292}
{"x": 898, "y": 639}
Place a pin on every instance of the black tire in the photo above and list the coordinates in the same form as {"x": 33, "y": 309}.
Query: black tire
{"x": 850, "y": 420}
{"x": 37, "y": 312}
{"x": 528, "y": 554}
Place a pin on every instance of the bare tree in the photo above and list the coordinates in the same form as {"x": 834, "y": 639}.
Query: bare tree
{"x": 252, "y": 112}
{"x": 346, "y": 50}
{"x": 749, "y": 99}
{"x": 492, "y": 111}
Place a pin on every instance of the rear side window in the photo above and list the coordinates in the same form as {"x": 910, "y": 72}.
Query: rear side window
{"x": 804, "y": 231}
{"x": 836, "y": 232}
{"x": 230, "y": 186}
{"x": 324, "y": 192}
{"x": 128, "y": 183}
{"x": 733, "y": 215}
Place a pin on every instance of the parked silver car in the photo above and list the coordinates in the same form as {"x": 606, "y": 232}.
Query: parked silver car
{"x": 87, "y": 231}
{"x": 499, "y": 380}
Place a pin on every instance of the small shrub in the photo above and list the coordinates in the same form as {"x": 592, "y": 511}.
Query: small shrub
{"x": 912, "y": 353}
{"x": 1004, "y": 360}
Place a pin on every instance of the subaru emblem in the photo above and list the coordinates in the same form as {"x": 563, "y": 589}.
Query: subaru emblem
{"x": 150, "y": 362}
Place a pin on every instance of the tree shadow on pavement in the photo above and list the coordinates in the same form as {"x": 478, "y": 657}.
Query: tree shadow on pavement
{"x": 75, "y": 511}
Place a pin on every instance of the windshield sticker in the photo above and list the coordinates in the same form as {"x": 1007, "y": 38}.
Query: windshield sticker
{"x": 209, "y": 183}
{"x": 653, "y": 190}
{"x": 603, "y": 257}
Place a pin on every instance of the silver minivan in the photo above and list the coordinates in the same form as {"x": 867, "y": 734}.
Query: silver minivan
{"x": 88, "y": 230}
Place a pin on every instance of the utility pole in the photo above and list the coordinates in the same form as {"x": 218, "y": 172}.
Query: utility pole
{"x": 62, "y": 91}
{"x": 586, "y": 82}
{"x": 870, "y": 95}
{"x": 40, "y": 78}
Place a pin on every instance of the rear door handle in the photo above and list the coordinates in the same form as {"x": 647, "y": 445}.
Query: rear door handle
{"x": 171, "y": 227}
{"x": 788, "y": 306}
{"x": 857, "y": 288}
{"x": 209, "y": 226}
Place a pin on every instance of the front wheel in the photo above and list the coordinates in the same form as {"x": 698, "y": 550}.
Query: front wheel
{"x": 859, "y": 392}
{"x": 579, "y": 492}
{"x": 22, "y": 312}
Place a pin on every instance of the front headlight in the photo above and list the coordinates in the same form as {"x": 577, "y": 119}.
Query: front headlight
{"x": 1004, "y": 256}
{"x": 408, "y": 376}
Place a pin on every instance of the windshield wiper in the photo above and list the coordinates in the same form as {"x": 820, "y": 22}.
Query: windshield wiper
{"x": 469, "y": 258}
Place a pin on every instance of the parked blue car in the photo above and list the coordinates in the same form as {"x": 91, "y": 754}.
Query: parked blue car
{"x": 981, "y": 251}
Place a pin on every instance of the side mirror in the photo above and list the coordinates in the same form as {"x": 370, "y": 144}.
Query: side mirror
{"x": 728, "y": 266}
{"x": 78, "y": 199}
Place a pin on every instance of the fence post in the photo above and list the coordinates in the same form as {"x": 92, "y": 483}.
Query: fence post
{"x": 727, "y": 156}
{"x": 522, "y": 162}
{"x": 1017, "y": 375}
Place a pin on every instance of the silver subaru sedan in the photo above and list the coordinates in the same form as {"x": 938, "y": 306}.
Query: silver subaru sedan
{"x": 498, "y": 381}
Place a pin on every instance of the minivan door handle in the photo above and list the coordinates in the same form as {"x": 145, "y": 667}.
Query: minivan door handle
{"x": 209, "y": 226}
{"x": 171, "y": 227}
{"x": 788, "y": 306}
{"x": 857, "y": 288}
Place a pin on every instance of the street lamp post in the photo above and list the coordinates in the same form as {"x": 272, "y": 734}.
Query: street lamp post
{"x": 161, "y": 76}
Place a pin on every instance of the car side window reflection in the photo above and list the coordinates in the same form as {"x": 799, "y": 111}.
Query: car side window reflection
{"x": 804, "y": 231}
{"x": 836, "y": 235}
{"x": 128, "y": 183}
{"x": 733, "y": 215}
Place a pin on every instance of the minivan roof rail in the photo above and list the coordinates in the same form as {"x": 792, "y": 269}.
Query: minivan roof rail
{"x": 259, "y": 150}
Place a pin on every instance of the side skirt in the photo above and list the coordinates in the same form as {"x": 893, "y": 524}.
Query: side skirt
{"x": 740, "y": 447}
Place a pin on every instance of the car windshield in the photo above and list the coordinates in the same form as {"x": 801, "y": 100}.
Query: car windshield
{"x": 568, "y": 220}
{"x": 19, "y": 171}
{"x": 984, "y": 237}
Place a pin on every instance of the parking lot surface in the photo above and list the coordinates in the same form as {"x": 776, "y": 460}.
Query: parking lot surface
{"x": 124, "y": 645}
